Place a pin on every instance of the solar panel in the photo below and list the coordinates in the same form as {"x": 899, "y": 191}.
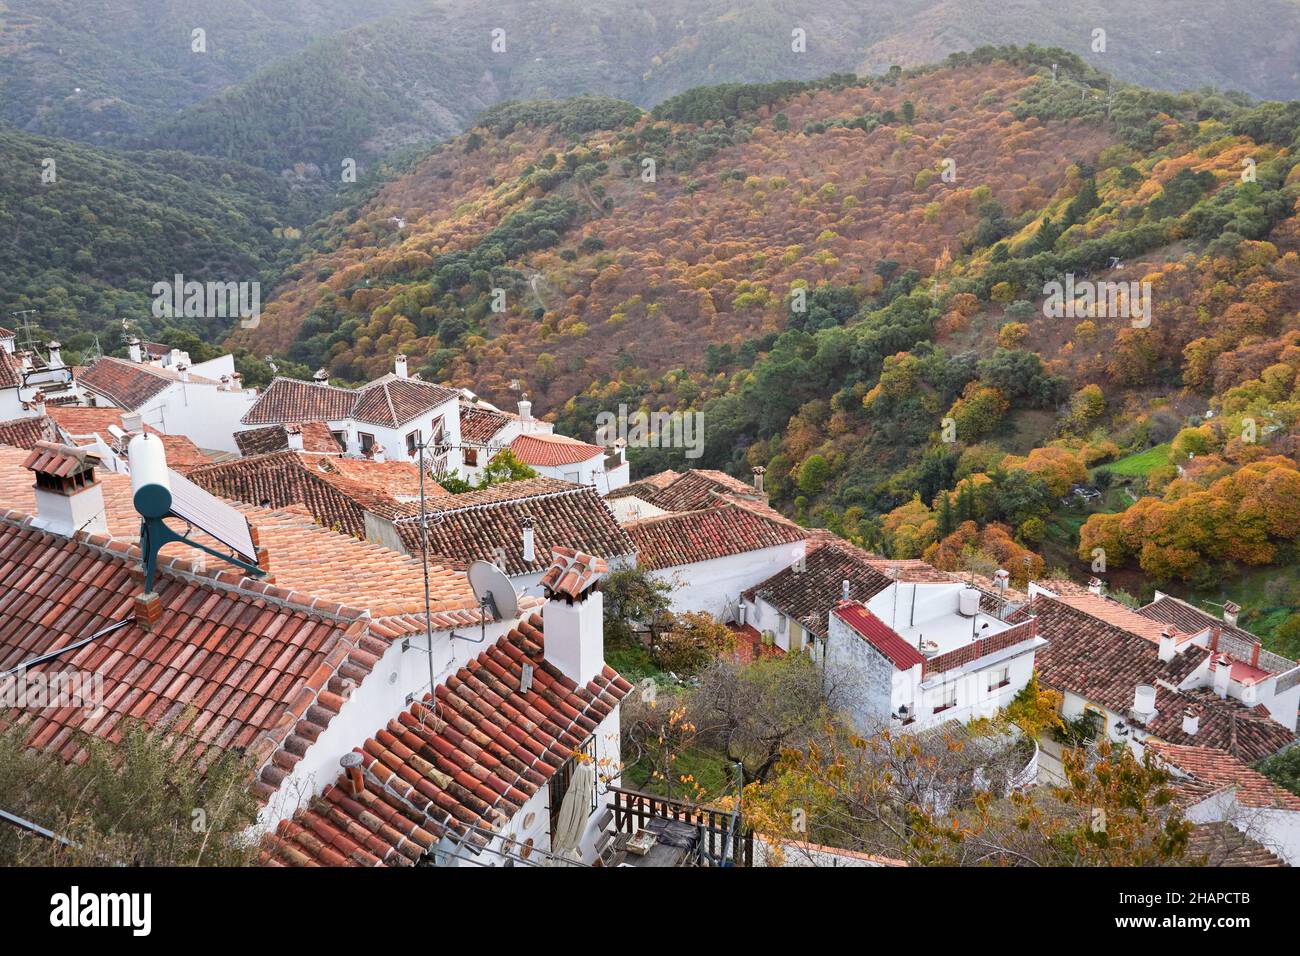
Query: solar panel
{"x": 208, "y": 513}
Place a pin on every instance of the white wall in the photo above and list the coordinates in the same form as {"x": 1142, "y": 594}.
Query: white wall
{"x": 715, "y": 586}
{"x": 207, "y": 415}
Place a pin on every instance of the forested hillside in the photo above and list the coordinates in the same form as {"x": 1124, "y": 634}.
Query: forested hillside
{"x": 847, "y": 277}
{"x": 303, "y": 85}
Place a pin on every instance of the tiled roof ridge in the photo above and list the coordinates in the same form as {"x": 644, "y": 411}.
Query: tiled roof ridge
{"x": 321, "y": 385}
{"x": 487, "y": 505}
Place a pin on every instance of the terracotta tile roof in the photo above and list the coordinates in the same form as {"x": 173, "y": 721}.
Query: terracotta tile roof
{"x": 1218, "y": 770}
{"x": 393, "y": 401}
{"x": 130, "y": 385}
{"x": 700, "y": 488}
{"x": 10, "y": 377}
{"x": 879, "y": 635}
{"x": 26, "y": 432}
{"x": 478, "y": 425}
{"x": 572, "y": 572}
{"x": 336, "y": 491}
{"x": 646, "y": 488}
{"x": 1222, "y": 844}
{"x": 911, "y": 570}
{"x": 687, "y": 537}
{"x": 389, "y": 401}
{"x": 316, "y": 437}
{"x": 808, "y": 593}
{"x": 553, "y": 450}
{"x": 466, "y": 764}
{"x": 288, "y": 400}
{"x": 1237, "y": 641}
{"x": 488, "y": 525}
{"x": 262, "y": 668}
{"x": 1103, "y": 663}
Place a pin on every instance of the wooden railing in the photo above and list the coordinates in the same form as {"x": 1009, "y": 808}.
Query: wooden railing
{"x": 722, "y": 841}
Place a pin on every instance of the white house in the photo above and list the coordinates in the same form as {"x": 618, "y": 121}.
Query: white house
{"x": 27, "y": 380}
{"x": 485, "y": 430}
{"x": 919, "y": 654}
{"x": 387, "y": 419}
{"x": 558, "y": 456}
{"x": 175, "y": 400}
{"x": 712, "y": 555}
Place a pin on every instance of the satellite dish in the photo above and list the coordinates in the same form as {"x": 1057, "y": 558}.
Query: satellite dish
{"x": 491, "y": 585}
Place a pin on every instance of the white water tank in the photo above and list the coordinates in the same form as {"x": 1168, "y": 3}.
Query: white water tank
{"x": 968, "y": 602}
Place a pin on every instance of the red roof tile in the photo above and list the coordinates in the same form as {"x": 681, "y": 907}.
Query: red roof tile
{"x": 390, "y": 401}
{"x": 879, "y": 635}
{"x": 1217, "y": 770}
{"x": 59, "y": 590}
{"x": 552, "y": 450}
{"x": 316, "y": 437}
{"x": 478, "y": 425}
{"x": 488, "y": 525}
{"x": 130, "y": 385}
{"x": 26, "y": 432}
{"x": 687, "y": 537}
{"x": 465, "y": 760}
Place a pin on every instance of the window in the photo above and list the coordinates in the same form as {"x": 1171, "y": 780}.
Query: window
{"x": 949, "y": 698}
{"x": 342, "y": 440}
{"x": 367, "y": 442}
{"x": 471, "y": 457}
{"x": 1000, "y": 678}
{"x": 413, "y": 444}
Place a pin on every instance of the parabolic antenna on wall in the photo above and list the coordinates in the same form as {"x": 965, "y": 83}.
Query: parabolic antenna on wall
{"x": 492, "y": 587}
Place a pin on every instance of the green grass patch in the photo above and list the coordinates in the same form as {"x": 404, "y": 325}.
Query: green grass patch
{"x": 706, "y": 766}
{"x": 1141, "y": 464}
{"x": 634, "y": 661}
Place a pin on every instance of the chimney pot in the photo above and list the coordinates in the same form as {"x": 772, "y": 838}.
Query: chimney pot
{"x": 351, "y": 764}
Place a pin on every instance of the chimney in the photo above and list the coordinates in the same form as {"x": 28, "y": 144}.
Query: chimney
{"x": 293, "y": 435}
{"x": 1191, "y": 721}
{"x": 322, "y": 377}
{"x": 132, "y": 422}
{"x": 38, "y": 403}
{"x": 133, "y": 346}
{"x": 530, "y": 550}
{"x": 351, "y": 764}
{"x": 56, "y": 354}
{"x": 377, "y": 452}
{"x": 845, "y": 590}
{"x": 1222, "y": 674}
{"x": 183, "y": 372}
{"x": 236, "y": 381}
{"x": 573, "y": 619}
{"x": 759, "y": 472}
{"x": 1230, "y": 611}
{"x": 526, "y": 414}
{"x": 1144, "y": 702}
{"x": 25, "y": 360}
{"x": 1095, "y": 586}
{"x": 1168, "y": 643}
{"x": 148, "y": 610}
{"x": 68, "y": 496}
{"x": 399, "y": 365}
{"x": 1249, "y": 693}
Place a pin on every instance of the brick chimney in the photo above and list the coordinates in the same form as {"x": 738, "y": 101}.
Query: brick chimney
{"x": 148, "y": 610}
{"x": 68, "y": 496}
{"x": 573, "y": 619}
